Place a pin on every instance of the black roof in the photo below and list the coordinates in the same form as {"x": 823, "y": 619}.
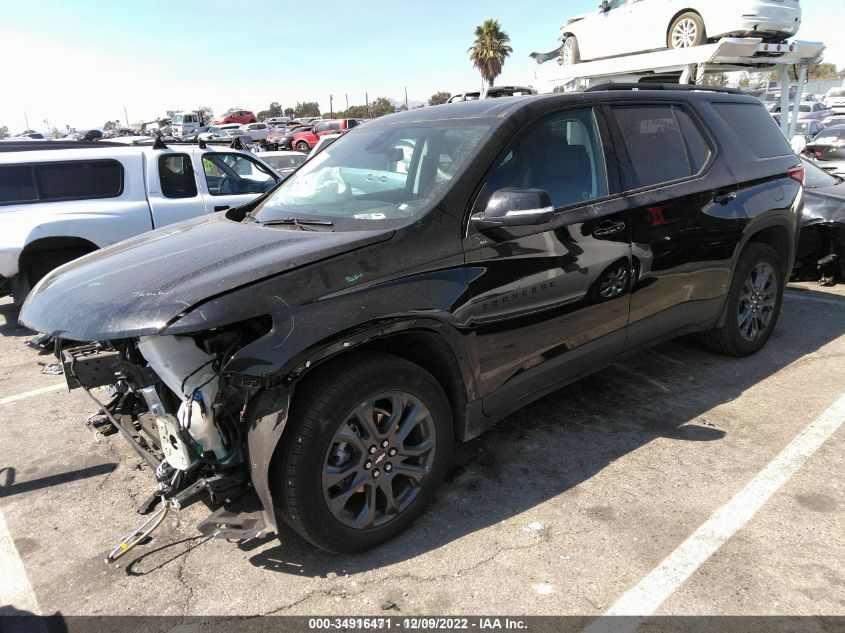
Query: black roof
{"x": 504, "y": 106}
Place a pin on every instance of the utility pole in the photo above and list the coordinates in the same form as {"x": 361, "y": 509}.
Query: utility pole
{"x": 367, "y": 101}
{"x": 126, "y": 116}
{"x": 347, "y": 104}
{"x": 26, "y": 118}
{"x": 331, "y": 111}
{"x": 406, "y": 97}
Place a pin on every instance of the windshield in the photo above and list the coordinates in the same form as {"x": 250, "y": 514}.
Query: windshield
{"x": 176, "y": 119}
{"x": 377, "y": 173}
{"x": 815, "y": 177}
{"x": 837, "y": 93}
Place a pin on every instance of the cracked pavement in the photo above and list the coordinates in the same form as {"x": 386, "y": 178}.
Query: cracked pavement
{"x": 560, "y": 509}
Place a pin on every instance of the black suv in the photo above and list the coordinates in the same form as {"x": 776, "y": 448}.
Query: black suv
{"x": 429, "y": 273}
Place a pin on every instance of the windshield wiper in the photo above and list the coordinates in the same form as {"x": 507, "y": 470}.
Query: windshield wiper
{"x": 304, "y": 225}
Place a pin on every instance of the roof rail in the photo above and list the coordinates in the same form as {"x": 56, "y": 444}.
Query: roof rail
{"x": 32, "y": 146}
{"x": 655, "y": 86}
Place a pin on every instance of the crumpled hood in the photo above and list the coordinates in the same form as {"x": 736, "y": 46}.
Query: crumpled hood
{"x": 139, "y": 286}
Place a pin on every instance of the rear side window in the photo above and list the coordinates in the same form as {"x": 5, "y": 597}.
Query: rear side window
{"x": 17, "y": 184}
{"x": 755, "y": 127}
{"x": 79, "y": 179}
{"x": 662, "y": 143}
{"x": 176, "y": 174}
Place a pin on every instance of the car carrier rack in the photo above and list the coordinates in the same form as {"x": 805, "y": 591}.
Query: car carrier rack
{"x": 689, "y": 66}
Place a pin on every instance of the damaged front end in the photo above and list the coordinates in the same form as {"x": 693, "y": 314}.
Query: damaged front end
{"x": 173, "y": 401}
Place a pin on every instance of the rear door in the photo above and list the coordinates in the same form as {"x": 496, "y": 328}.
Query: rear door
{"x": 549, "y": 302}
{"x": 173, "y": 193}
{"x": 683, "y": 224}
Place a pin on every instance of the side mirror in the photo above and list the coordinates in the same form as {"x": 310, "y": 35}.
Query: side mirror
{"x": 604, "y": 7}
{"x": 516, "y": 207}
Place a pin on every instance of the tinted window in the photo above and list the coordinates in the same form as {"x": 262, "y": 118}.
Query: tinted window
{"x": 79, "y": 179}
{"x": 561, "y": 155}
{"x": 334, "y": 125}
{"x": 16, "y": 184}
{"x": 657, "y": 150}
{"x": 176, "y": 174}
{"x": 755, "y": 128}
{"x": 698, "y": 151}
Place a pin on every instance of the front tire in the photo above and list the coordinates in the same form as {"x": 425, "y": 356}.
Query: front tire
{"x": 686, "y": 31}
{"x": 753, "y": 304}
{"x": 369, "y": 443}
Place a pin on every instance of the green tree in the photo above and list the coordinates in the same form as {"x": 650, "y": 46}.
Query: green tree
{"x": 4, "y": 131}
{"x": 111, "y": 125}
{"x": 290, "y": 112}
{"x": 308, "y": 108}
{"x": 439, "y": 97}
{"x": 382, "y": 106}
{"x": 489, "y": 50}
{"x": 354, "y": 112}
{"x": 719, "y": 80}
{"x": 274, "y": 110}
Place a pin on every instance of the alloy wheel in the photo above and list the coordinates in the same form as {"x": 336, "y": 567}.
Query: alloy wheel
{"x": 684, "y": 34}
{"x": 757, "y": 301}
{"x": 378, "y": 460}
{"x": 614, "y": 283}
{"x": 567, "y": 52}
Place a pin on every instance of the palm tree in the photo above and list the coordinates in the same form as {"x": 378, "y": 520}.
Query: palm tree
{"x": 489, "y": 50}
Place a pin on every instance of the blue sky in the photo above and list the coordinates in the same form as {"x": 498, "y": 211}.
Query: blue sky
{"x": 81, "y": 62}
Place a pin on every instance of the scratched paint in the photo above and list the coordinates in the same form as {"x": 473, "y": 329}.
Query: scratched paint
{"x": 158, "y": 293}
{"x": 292, "y": 322}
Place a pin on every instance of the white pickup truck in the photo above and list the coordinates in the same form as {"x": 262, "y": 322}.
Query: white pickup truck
{"x": 62, "y": 200}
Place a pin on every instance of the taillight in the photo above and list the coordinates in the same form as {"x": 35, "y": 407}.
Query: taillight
{"x": 796, "y": 173}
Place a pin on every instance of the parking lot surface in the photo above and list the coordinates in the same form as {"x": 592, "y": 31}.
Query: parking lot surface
{"x": 562, "y": 508}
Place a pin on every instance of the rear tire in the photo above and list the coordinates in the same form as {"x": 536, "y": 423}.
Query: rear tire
{"x": 571, "y": 54}
{"x": 303, "y": 146}
{"x": 753, "y": 304}
{"x": 369, "y": 441}
{"x": 686, "y": 31}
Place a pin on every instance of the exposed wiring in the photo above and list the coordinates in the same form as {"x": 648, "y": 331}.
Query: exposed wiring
{"x": 141, "y": 533}
{"x": 182, "y": 387}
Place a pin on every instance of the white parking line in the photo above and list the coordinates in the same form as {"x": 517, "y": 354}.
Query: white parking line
{"x": 799, "y": 296}
{"x": 645, "y": 598}
{"x": 34, "y": 392}
{"x": 15, "y": 590}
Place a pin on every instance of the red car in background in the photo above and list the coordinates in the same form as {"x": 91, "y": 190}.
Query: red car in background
{"x": 236, "y": 115}
{"x": 306, "y": 140}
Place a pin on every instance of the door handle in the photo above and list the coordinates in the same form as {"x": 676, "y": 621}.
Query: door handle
{"x": 221, "y": 207}
{"x": 724, "y": 198}
{"x": 608, "y": 228}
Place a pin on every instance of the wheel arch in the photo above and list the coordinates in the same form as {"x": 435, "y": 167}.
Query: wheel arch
{"x": 775, "y": 232}
{"x": 33, "y": 250}
{"x": 428, "y": 345}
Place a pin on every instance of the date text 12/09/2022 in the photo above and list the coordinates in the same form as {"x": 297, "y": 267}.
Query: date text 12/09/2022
{"x": 416, "y": 624}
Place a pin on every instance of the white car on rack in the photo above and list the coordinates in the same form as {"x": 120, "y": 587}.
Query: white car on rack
{"x": 835, "y": 100}
{"x": 624, "y": 27}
